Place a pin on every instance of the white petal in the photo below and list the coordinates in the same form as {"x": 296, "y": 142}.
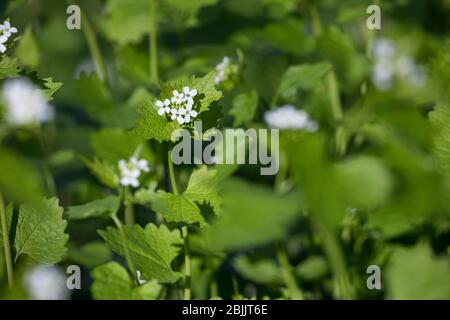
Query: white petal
{"x": 174, "y": 111}
{"x": 173, "y": 116}
{"x": 180, "y": 119}
{"x": 2, "y": 48}
{"x": 182, "y": 111}
{"x": 161, "y": 111}
{"x": 187, "y": 118}
{"x": 186, "y": 90}
{"x": 194, "y": 92}
{"x": 159, "y": 104}
{"x": 193, "y": 113}
{"x": 13, "y": 30}
{"x": 167, "y": 102}
{"x": 167, "y": 109}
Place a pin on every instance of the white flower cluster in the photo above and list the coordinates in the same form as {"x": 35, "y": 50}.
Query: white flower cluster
{"x": 131, "y": 170}
{"x": 288, "y": 117}
{"x": 46, "y": 283}
{"x": 389, "y": 65}
{"x": 25, "y": 103}
{"x": 222, "y": 69}
{"x": 5, "y": 33}
{"x": 180, "y": 106}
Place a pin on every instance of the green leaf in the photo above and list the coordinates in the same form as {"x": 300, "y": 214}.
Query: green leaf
{"x": 252, "y": 216}
{"x": 262, "y": 271}
{"x": 106, "y": 207}
{"x": 203, "y": 187}
{"x": 51, "y": 87}
{"x": 337, "y": 47}
{"x": 177, "y": 208}
{"x": 364, "y": 181}
{"x": 9, "y": 67}
{"x": 113, "y": 145}
{"x": 152, "y": 126}
{"x": 415, "y": 273}
{"x": 305, "y": 77}
{"x": 103, "y": 171}
{"x": 40, "y": 231}
{"x": 28, "y": 49}
{"x": 127, "y": 20}
{"x": 152, "y": 249}
{"x": 90, "y": 255}
{"x": 244, "y": 107}
{"x": 112, "y": 282}
{"x": 20, "y": 182}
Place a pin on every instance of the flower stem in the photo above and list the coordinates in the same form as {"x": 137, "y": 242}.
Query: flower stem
{"x": 286, "y": 271}
{"x": 49, "y": 182}
{"x": 184, "y": 234}
{"x": 187, "y": 264}
{"x": 123, "y": 235}
{"x": 153, "y": 42}
{"x": 173, "y": 182}
{"x": 129, "y": 210}
{"x": 333, "y": 251}
{"x": 333, "y": 91}
{"x": 6, "y": 244}
{"x": 93, "y": 48}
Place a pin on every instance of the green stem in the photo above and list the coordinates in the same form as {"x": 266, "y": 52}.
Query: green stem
{"x": 93, "y": 47}
{"x": 333, "y": 251}
{"x": 187, "y": 263}
{"x": 6, "y": 245}
{"x": 173, "y": 182}
{"x": 287, "y": 274}
{"x": 333, "y": 91}
{"x": 129, "y": 210}
{"x": 49, "y": 182}
{"x": 123, "y": 235}
{"x": 153, "y": 42}
{"x": 184, "y": 234}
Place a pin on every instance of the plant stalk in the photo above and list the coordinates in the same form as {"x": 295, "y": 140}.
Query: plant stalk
{"x": 286, "y": 271}
{"x": 153, "y": 41}
{"x": 94, "y": 49}
{"x": 6, "y": 244}
{"x": 126, "y": 250}
{"x": 129, "y": 209}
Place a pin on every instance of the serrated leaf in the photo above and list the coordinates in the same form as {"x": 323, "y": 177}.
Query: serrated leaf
{"x": 244, "y": 107}
{"x": 9, "y": 67}
{"x": 177, "y": 208}
{"x": 39, "y": 231}
{"x": 106, "y": 207}
{"x": 52, "y": 87}
{"x": 112, "y": 282}
{"x": 152, "y": 249}
{"x": 203, "y": 187}
{"x": 103, "y": 171}
{"x": 151, "y": 125}
{"x": 305, "y": 77}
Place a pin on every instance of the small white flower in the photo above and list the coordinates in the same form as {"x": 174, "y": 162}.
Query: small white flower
{"x": 7, "y": 29}
{"x": 383, "y": 49}
{"x": 46, "y": 283}
{"x": 288, "y": 117}
{"x": 221, "y": 70}
{"x": 3, "y": 40}
{"x": 25, "y": 103}
{"x": 178, "y": 97}
{"x": 383, "y": 75}
{"x": 131, "y": 170}
{"x": 140, "y": 164}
